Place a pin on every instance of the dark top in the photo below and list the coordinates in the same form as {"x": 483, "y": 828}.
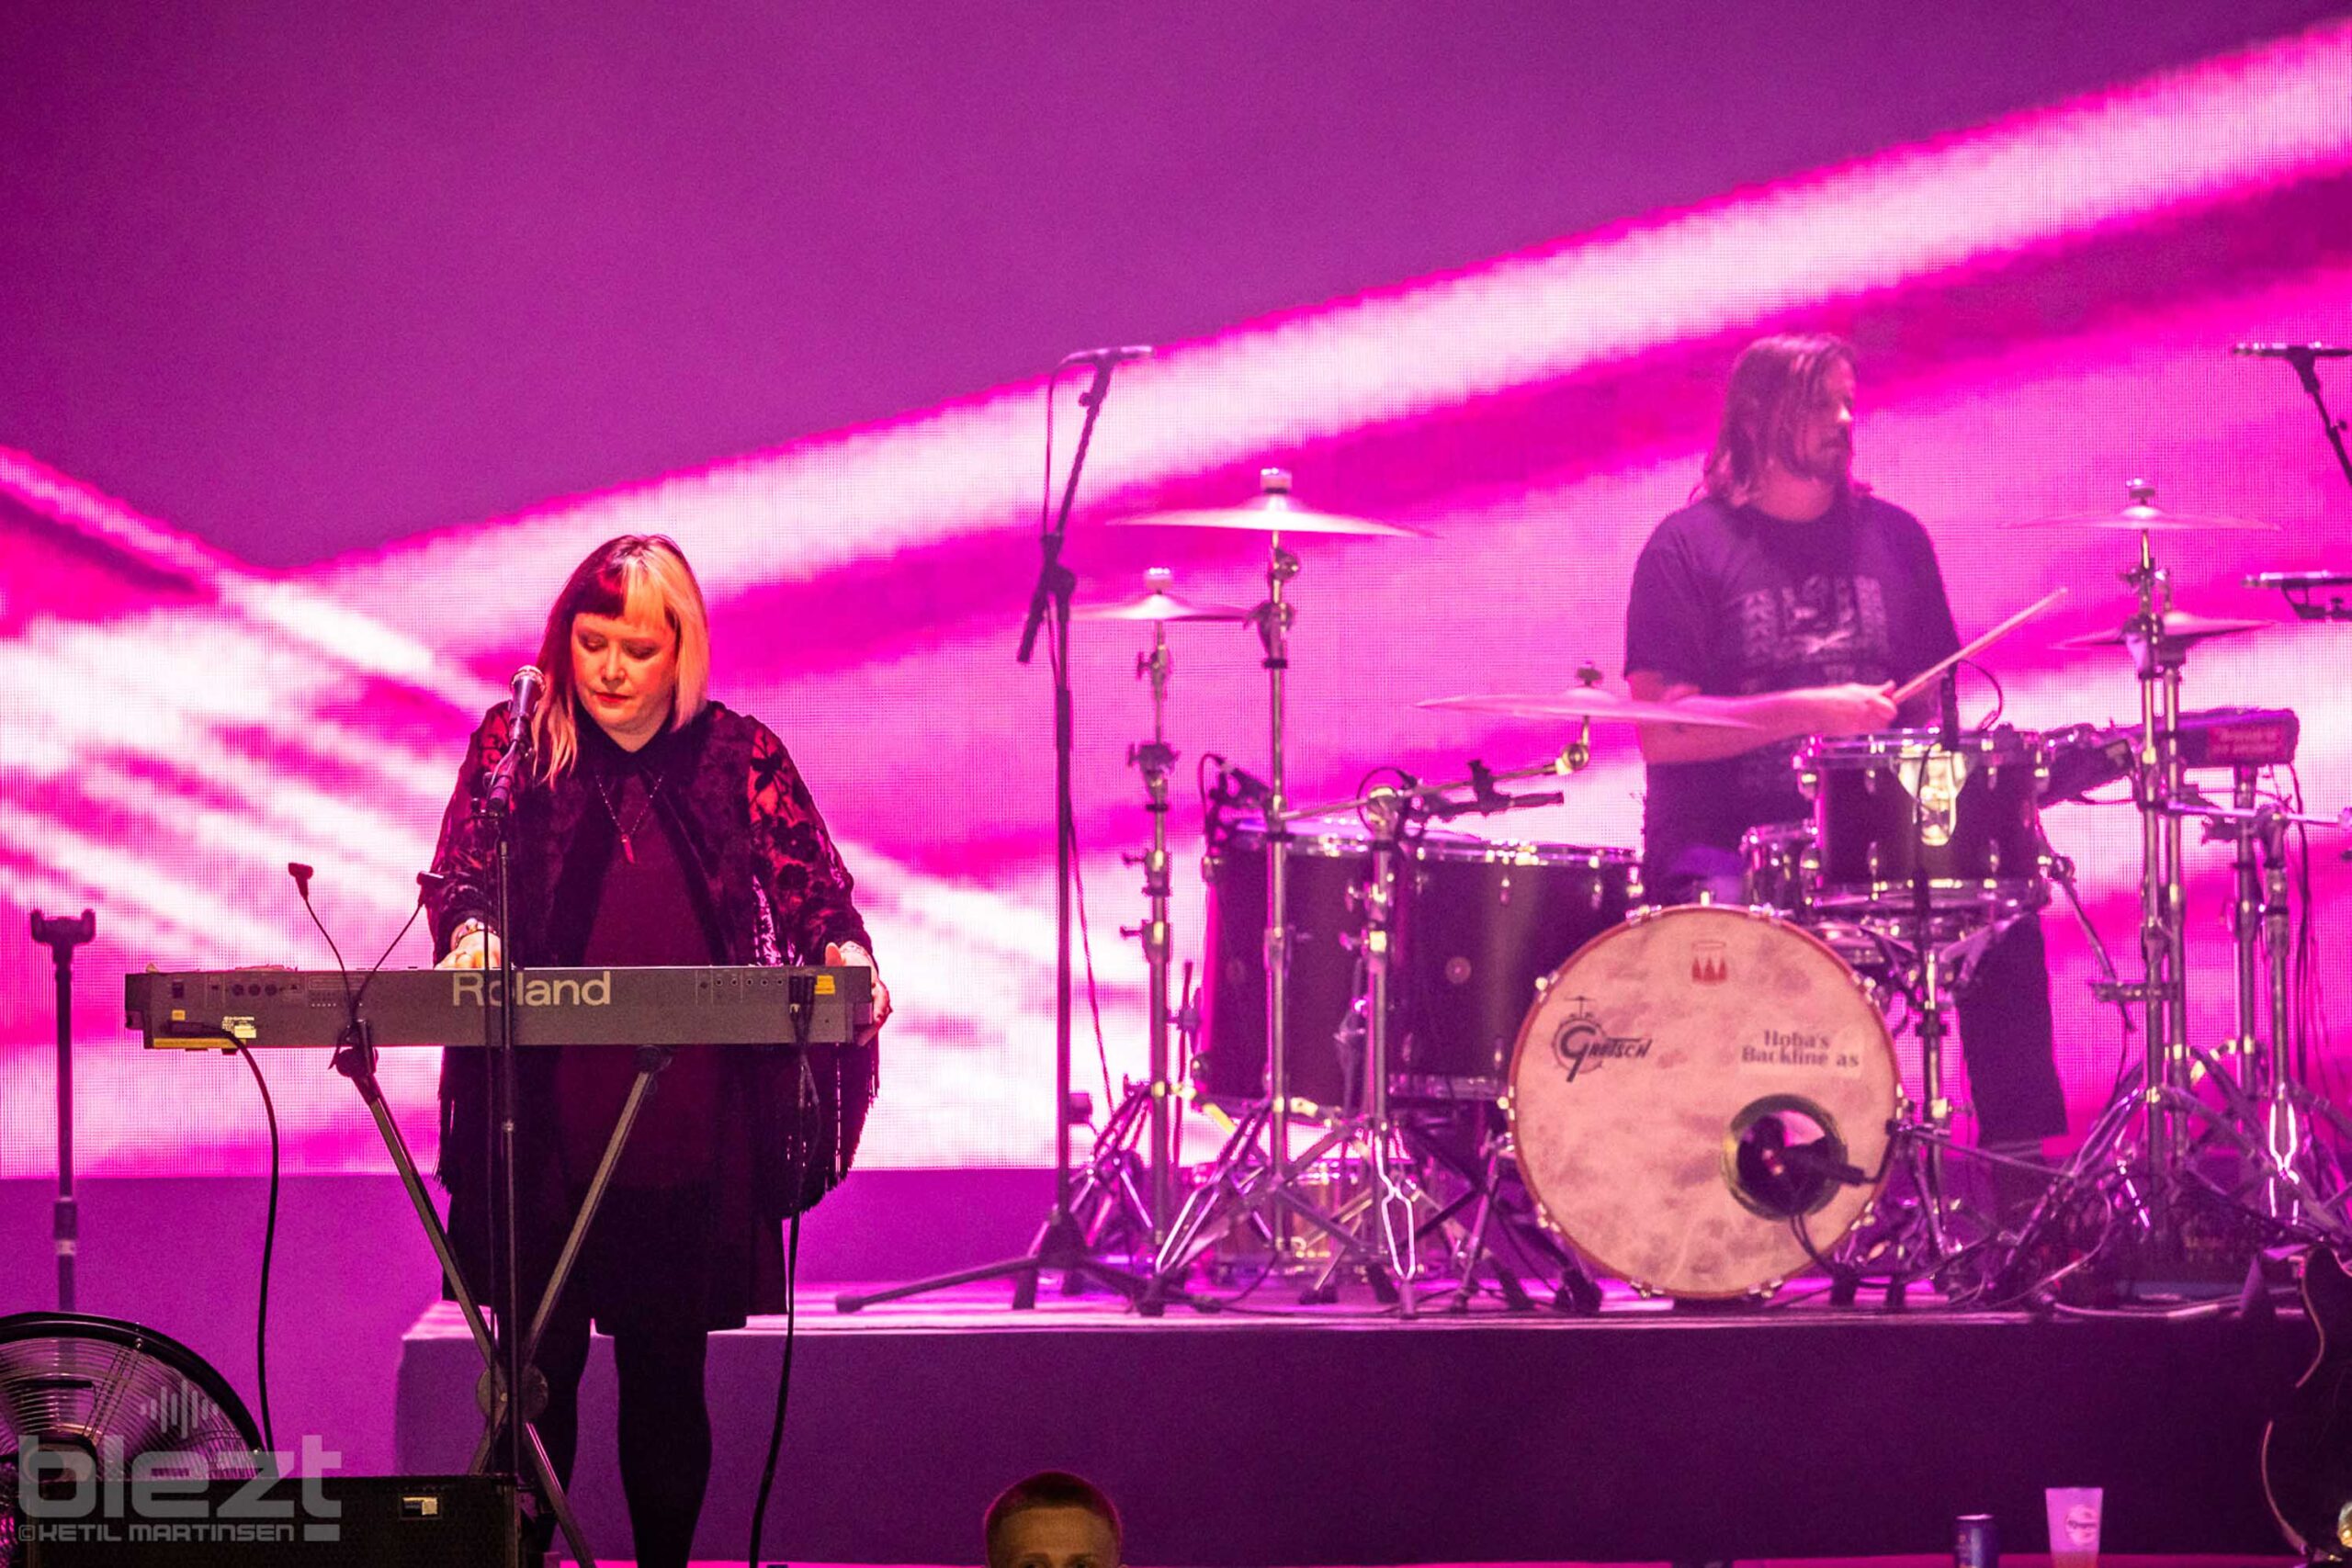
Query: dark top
{"x": 1736, "y": 603}
{"x": 731, "y": 864}
{"x": 647, "y": 913}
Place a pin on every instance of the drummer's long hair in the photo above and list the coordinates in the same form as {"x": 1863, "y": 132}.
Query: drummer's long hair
{"x": 621, "y": 577}
{"x": 1775, "y": 383}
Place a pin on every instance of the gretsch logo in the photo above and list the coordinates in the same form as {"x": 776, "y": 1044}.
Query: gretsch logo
{"x": 1582, "y": 1044}
{"x": 477, "y": 989}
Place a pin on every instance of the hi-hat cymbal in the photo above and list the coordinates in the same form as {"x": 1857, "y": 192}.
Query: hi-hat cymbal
{"x": 1590, "y": 702}
{"x": 1157, "y": 607}
{"x": 2180, "y": 627}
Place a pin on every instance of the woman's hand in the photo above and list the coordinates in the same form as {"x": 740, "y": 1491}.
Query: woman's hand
{"x": 473, "y": 946}
{"x": 837, "y": 954}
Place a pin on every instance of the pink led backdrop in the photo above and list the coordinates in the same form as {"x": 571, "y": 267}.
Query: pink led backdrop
{"x": 2042, "y": 302}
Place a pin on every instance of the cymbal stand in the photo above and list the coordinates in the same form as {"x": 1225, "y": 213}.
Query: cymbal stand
{"x": 2157, "y": 782}
{"x": 1390, "y": 1211}
{"x": 1155, "y": 758}
{"x": 1239, "y": 1186}
{"x": 1389, "y": 1207}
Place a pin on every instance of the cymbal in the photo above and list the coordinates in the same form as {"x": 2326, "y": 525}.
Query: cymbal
{"x": 1590, "y": 702}
{"x": 2144, "y": 517}
{"x": 1156, "y": 605}
{"x": 1270, "y": 511}
{"x": 2180, "y": 627}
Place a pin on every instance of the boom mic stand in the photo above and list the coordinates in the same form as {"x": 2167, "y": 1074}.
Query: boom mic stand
{"x": 1061, "y": 1242}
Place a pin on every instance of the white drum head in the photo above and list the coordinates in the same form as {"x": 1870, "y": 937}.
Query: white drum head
{"x": 1661, "y": 1069}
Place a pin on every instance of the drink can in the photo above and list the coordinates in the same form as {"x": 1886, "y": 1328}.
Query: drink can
{"x": 1976, "y": 1543}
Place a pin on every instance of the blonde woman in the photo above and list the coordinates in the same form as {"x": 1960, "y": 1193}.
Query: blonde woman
{"x": 658, "y": 826}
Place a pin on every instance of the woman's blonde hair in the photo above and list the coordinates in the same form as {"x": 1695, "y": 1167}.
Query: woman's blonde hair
{"x": 636, "y": 574}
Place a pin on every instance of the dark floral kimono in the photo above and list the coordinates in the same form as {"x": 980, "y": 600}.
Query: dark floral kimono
{"x": 765, "y": 884}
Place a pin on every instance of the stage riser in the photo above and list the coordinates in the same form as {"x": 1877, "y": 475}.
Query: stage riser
{"x": 1247, "y": 1443}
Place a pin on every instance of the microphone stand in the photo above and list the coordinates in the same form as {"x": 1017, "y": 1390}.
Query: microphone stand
{"x": 498, "y": 806}
{"x": 62, "y": 936}
{"x": 1060, "y": 1243}
{"x": 2307, "y": 371}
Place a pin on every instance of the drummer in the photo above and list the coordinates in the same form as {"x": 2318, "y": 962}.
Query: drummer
{"x": 1797, "y": 601}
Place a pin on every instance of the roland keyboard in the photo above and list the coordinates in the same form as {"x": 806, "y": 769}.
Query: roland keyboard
{"x": 220, "y": 1009}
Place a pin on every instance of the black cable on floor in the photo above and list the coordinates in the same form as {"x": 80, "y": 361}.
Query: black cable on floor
{"x": 783, "y": 1388}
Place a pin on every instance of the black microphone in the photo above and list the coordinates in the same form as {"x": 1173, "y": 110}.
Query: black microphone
{"x": 2299, "y": 351}
{"x": 1819, "y": 1158}
{"x": 1118, "y": 353}
{"x": 2299, "y": 580}
{"x": 1246, "y": 787}
{"x": 522, "y": 694}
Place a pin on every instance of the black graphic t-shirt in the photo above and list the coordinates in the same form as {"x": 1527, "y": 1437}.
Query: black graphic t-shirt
{"x": 1736, "y": 604}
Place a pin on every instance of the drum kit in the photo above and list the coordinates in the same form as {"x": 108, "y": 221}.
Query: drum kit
{"x": 1421, "y": 1041}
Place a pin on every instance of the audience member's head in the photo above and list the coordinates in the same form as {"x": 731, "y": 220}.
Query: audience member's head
{"x": 1053, "y": 1520}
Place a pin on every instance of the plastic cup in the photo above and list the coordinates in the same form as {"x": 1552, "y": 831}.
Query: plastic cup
{"x": 2074, "y": 1525}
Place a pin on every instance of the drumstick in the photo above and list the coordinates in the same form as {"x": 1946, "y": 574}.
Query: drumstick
{"x": 1926, "y": 678}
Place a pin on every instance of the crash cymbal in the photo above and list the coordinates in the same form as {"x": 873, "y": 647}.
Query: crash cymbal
{"x": 1271, "y": 514}
{"x": 1157, "y": 607}
{"x": 2180, "y": 627}
{"x": 1587, "y": 702}
{"x": 2144, "y": 517}
{"x": 1273, "y": 510}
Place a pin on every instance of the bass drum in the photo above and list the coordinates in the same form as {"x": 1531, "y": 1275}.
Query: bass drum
{"x": 1693, "y": 1085}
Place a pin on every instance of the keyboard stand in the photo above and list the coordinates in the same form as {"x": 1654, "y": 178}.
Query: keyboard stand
{"x": 356, "y": 1061}
{"x": 651, "y": 1060}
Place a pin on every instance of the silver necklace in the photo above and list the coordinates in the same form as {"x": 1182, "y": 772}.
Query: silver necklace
{"x": 628, "y": 831}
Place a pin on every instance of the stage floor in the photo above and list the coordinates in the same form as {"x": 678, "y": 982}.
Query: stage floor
{"x": 1343, "y": 1435}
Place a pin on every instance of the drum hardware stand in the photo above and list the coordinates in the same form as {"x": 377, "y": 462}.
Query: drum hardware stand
{"x": 1390, "y": 1203}
{"x": 1155, "y": 758}
{"x": 1152, "y": 1104}
{"x": 1922, "y": 1139}
{"x": 1238, "y": 1187}
{"x": 1395, "y": 816}
{"x": 1578, "y": 1291}
{"x": 62, "y": 936}
{"x": 2157, "y": 782}
{"x": 2264, "y": 1095}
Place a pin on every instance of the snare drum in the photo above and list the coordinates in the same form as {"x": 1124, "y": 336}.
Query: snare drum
{"x": 1778, "y": 867}
{"x": 1691, "y": 1086}
{"x": 1883, "y": 802}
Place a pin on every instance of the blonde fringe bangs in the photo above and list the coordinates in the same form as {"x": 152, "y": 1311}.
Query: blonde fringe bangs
{"x": 655, "y": 581}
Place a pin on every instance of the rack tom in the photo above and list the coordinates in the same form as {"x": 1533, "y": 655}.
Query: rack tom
{"x": 1888, "y": 804}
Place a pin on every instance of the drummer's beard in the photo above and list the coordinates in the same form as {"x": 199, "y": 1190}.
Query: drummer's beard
{"x": 1828, "y": 457}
